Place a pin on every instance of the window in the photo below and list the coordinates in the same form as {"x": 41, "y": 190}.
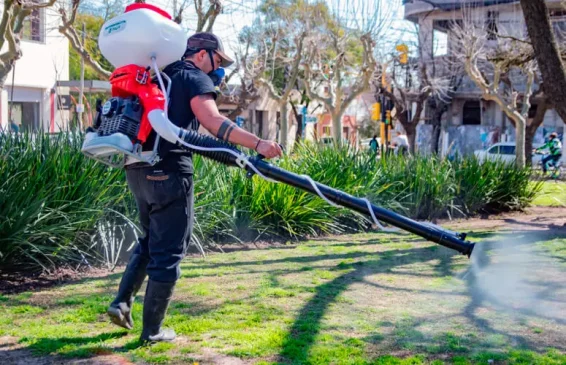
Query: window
{"x": 491, "y": 25}
{"x": 24, "y": 116}
{"x": 472, "y": 113}
{"x": 326, "y": 131}
{"x": 33, "y": 29}
{"x": 258, "y": 128}
{"x": 493, "y": 150}
{"x": 559, "y": 27}
{"x": 507, "y": 150}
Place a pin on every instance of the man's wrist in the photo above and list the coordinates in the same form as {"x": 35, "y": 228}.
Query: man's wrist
{"x": 257, "y": 144}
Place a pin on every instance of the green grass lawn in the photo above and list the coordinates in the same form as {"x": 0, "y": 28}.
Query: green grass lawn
{"x": 359, "y": 299}
{"x": 553, "y": 194}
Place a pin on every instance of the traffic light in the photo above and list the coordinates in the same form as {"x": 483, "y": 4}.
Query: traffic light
{"x": 403, "y": 53}
{"x": 387, "y": 116}
{"x": 376, "y": 112}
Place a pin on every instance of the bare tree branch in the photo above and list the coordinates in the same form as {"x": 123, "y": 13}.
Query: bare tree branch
{"x": 214, "y": 9}
{"x": 473, "y": 52}
{"x": 68, "y": 30}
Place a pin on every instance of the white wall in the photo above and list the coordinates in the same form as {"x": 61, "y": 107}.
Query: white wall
{"x": 37, "y": 72}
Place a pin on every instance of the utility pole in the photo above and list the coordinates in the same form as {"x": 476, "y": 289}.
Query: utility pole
{"x": 80, "y": 106}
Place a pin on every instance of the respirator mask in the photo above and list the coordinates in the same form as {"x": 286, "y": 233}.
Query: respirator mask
{"x": 217, "y": 76}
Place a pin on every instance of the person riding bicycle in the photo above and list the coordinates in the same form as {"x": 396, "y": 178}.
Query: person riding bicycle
{"x": 554, "y": 147}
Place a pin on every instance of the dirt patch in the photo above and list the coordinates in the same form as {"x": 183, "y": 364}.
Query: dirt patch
{"x": 210, "y": 357}
{"x": 13, "y": 353}
{"x": 535, "y": 218}
{"x": 13, "y": 283}
{"x": 101, "y": 360}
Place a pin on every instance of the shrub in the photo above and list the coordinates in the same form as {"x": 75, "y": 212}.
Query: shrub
{"x": 52, "y": 196}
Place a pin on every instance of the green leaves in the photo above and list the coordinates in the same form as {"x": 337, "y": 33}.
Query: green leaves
{"x": 52, "y": 197}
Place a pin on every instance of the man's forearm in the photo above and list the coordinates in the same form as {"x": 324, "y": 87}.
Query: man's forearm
{"x": 228, "y": 131}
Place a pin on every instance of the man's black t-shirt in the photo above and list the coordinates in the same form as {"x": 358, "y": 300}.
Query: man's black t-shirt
{"x": 187, "y": 81}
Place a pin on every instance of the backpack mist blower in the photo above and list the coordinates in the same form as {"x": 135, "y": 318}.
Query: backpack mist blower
{"x": 145, "y": 38}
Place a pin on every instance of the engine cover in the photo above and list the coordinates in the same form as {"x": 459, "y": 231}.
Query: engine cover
{"x": 121, "y": 115}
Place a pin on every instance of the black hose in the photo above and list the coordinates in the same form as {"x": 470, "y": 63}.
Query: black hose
{"x": 197, "y": 139}
{"x": 430, "y": 233}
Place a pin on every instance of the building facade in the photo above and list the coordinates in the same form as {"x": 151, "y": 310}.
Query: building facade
{"x": 481, "y": 122}
{"x": 261, "y": 117}
{"x": 31, "y": 99}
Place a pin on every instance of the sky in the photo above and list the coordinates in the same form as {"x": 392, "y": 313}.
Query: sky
{"x": 228, "y": 25}
{"x": 240, "y": 13}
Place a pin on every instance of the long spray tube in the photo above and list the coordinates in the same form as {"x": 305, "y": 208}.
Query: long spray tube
{"x": 231, "y": 156}
{"x": 430, "y": 232}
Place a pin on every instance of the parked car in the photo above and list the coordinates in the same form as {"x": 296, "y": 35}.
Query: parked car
{"x": 503, "y": 151}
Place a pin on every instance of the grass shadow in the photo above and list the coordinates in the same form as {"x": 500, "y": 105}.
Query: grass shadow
{"x": 307, "y": 324}
{"x": 46, "y": 346}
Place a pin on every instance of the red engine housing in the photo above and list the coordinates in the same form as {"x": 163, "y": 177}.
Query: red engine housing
{"x": 133, "y": 80}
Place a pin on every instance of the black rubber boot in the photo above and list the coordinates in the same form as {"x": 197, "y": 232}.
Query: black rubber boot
{"x": 157, "y": 298}
{"x": 120, "y": 310}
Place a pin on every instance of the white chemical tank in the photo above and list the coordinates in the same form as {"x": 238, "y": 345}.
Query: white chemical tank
{"x": 141, "y": 32}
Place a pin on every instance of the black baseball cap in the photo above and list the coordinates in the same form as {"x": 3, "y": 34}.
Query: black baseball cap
{"x": 207, "y": 41}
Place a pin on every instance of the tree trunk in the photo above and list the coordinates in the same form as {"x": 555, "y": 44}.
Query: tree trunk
{"x": 436, "y": 122}
{"x": 299, "y": 120}
{"x": 529, "y": 146}
{"x": 520, "y": 128}
{"x": 531, "y": 130}
{"x": 284, "y": 125}
{"x": 436, "y": 129}
{"x": 337, "y": 128}
{"x": 546, "y": 52}
{"x": 410, "y": 129}
{"x": 412, "y": 137}
{"x": 4, "y": 71}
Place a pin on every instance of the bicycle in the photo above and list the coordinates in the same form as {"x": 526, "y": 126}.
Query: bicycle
{"x": 553, "y": 169}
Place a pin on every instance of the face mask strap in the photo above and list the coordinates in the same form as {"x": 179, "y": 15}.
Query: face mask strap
{"x": 211, "y": 56}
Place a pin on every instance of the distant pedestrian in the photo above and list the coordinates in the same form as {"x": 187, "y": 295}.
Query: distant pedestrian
{"x": 401, "y": 143}
{"x": 15, "y": 127}
{"x": 374, "y": 144}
